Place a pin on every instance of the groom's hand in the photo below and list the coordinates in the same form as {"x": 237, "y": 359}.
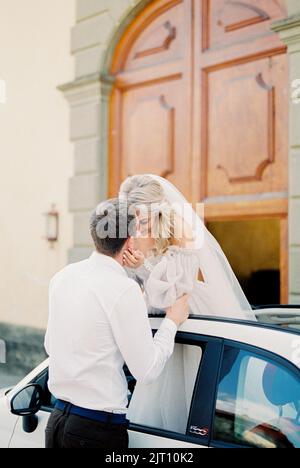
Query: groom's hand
{"x": 133, "y": 258}
{"x": 180, "y": 311}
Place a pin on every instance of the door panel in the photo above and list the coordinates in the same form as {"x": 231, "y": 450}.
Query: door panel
{"x": 234, "y": 21}
{"x": 161, "y": 41}
{"x": 153, "y": 117}
{"x": 251, "y": 97}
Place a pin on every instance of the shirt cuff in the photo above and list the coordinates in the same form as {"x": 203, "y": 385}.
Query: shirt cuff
{"x": 168, "y": 324}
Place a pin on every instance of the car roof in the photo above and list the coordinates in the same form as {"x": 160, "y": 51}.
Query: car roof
{"x": 259, "y": 324}
{"x": 279, "y": 341}
{"x": 278, "y": 318}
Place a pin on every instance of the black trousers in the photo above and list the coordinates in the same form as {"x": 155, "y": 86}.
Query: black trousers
{"x": 68, "y": 431}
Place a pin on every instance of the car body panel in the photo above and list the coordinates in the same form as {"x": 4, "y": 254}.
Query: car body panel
{"x": 277, "y": 341}
{"x": 7, "y": 423}
{"x": 21, "y": 439}
{"x": 139, "y": 440}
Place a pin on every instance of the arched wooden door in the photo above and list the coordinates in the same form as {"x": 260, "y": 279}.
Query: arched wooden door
{"x": 201, "y": 97}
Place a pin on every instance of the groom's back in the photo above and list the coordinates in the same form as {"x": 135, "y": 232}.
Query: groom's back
{"x": 82, "y": 298}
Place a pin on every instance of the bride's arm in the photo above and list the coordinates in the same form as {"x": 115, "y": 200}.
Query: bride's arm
{"x": 137, "y": 266}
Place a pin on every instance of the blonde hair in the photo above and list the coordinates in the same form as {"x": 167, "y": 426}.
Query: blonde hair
{"x": 144, "y": 190}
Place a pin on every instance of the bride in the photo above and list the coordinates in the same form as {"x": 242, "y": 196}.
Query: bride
{"x": 176, "y": 255}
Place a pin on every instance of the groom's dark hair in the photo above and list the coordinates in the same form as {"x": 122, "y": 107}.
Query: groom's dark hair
{"x": 111, "y": 225}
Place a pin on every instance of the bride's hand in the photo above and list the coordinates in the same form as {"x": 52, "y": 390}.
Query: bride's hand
{"x": 133, "y": 258}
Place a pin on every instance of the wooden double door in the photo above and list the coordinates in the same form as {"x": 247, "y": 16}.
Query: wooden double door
{"x": 201, "y": 98}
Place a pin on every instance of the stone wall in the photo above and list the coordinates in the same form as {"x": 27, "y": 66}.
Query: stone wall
{"x": 289, "y": 30}
{"x": 36, "y": 156}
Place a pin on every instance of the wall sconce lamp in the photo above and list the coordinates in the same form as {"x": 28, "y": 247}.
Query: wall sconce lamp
{"x": 52, "y": 225}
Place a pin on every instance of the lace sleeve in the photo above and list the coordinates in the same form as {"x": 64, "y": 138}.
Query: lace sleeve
{"x": 142, "y": 273}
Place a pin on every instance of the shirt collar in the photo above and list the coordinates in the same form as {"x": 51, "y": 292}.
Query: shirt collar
{"x": 101, "y": 260}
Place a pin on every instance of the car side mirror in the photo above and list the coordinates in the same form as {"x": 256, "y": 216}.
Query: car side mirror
{"x": 28, "y": 401}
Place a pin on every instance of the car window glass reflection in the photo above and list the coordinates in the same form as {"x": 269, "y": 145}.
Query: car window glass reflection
{"x": 258, "y": 402}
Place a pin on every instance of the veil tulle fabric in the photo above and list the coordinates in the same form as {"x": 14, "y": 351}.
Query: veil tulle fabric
{"x": 215, "y": 267}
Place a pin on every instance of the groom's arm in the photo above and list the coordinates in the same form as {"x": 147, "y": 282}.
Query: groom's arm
{"x": 144, "y": 355}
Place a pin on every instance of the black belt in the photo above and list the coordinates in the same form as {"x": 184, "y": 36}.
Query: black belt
{"x": 100, "y": 416}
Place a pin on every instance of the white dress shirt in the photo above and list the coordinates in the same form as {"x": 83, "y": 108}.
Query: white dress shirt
{"x": 97, "y": 321}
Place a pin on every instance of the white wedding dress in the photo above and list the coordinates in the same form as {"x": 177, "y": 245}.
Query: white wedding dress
{"x": 165, "y": 404}
{"x": 166, "y": 278}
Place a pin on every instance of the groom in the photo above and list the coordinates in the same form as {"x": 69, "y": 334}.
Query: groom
{"x": 98, "y": 320}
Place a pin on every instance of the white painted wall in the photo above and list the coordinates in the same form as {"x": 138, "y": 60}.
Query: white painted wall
{"x": 36, "y": 156}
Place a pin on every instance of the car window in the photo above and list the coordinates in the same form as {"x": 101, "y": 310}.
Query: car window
{"x": 165, "y": 404}
{"x": 258, "y": 403}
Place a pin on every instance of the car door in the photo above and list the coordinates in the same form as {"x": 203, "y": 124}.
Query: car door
{"x": 36, "y": 439}
{"x": 258, "y": 400}
{"x": 176, "y": 411}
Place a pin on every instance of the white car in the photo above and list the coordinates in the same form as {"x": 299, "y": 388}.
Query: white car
{"x": 241, "y": 388}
